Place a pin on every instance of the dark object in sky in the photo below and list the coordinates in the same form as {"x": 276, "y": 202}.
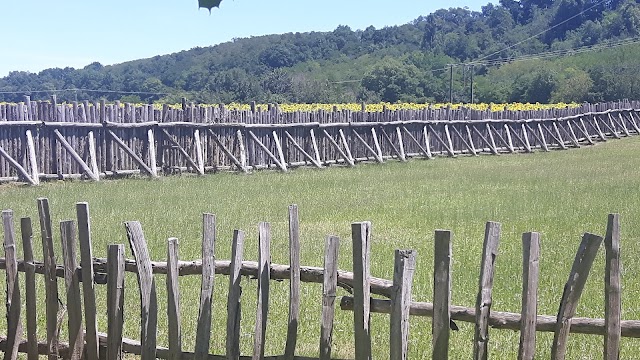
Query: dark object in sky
{"x": 209, "y": 4}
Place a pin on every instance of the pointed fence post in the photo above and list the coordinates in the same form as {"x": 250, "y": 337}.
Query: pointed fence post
{"x": 403, "y": 269}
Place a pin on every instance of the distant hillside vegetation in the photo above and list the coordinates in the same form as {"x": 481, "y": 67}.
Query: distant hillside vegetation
{"x": 399, "y": 63}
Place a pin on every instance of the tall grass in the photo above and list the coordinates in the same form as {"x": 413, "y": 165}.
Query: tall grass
{"x": 560, "y": 194}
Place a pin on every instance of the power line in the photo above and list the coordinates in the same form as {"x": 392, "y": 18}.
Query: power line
{"x": 85, "y": 90}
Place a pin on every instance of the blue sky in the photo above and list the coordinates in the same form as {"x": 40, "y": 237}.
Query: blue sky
{"x": 39, "y": 34}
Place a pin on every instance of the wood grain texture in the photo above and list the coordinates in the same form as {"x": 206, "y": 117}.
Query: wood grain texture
{"x": 612, "y": 289}
{"x": 233, "y": 299}
{"x": 572, "y": 291}
{"x": 262, "y": 307}
{"x": 26, "y": 231}
{"x": 12, "y": 300}
{"x": 530, "y": 276}
{"x": 50, "y": 279}
{"x": 147, "y": 287}
{"x": 203, "y": 332}
{"x": 115, "y": 301}
{"x": 72, "y": 287}
{"x": 294, "y": 283}
{"x": 329, "y": 296}
{"x": 173, "y": 301}
{"x": 485, "y": 287}
{"x": 403, "y": 269}
{"x": 361, "y": 241}
{"x": 442, "y": 261}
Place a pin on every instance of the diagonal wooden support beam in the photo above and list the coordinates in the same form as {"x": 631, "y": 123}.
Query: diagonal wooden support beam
{"x": 570, "y": 133}
{"x": 518, "y": 137}
{"x": 131, "y": 153}
{"x": 609, "y": 125}
{"x": 345, "y": 144}
{"x": 534, "y": 132}
{"x": 632, "y": 120}
{"x": 65, "y": 144}
{"x": 346, "y": 158}
{"x": 297, "y": 146}
{"x": 393, "y": 146}
{"x": 364, "y": 142}
{"x": 581, "y": 129}
{"x": 413, "y": 138}
{"x": 182, "y": 151}
{"x": 506, "y": 142}
{"x": 253, "y": 136}
{"x": 226, "y": 151}
{"x": 17, "y": 166}
{"x": 427, "y": 143}
{"x": 618, "y": 120}
{"x": 491, "y": 145}
{"x": 445, "y": 144}
{"x": 525, "y": 135}
{"x": 469, "y": 146}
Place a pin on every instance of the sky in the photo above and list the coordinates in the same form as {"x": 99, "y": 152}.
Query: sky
{"x": 41, "y": 34}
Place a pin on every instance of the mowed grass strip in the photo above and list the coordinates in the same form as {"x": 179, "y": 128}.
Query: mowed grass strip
{"x": 560, "y": 194}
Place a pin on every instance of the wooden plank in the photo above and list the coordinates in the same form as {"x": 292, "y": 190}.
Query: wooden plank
{"x": 299, "y": 148}
{"x": 13, "y": 304}
{"x": 30, "y": 288}
{"x": 376, "y": 142}
{"x": 329, "y": 287}
{"x": 530, "y": 275}
{"x": 473, "y": 147}
{"x": 345, "y": 144}
{"x": 337, "y": 147}
{"x": 470, "y": 147}
{"x": 33, "y": 162}
{"x": 173, "y": 301}
{"x": 262, "y": 307}
{"x": 403, "y": 269}
{"x": 449, "y": 142}
{"x": 147, "y": 287}
{"x": 243, "y": 151}
{"x": 276, "y": 141}
{"x": 71, "y": 151}
{"x": 294, "y": 283}
{"x": 390, "y": 142}
{"x": 427, "y": 144}
{"x": 583, "y": 129}
{"x": 558, "y": 136}
{"x": 612, "y": 289}
{"x": 570, "y": 133}
{"x": 50, "y": 279}
{"x": 233, "y": 300}
{"x": 151, "y": 149}
{"x": 572, "y": 292}
{"x": 415, "y": 141}
{"x": 361, "y": 240}
{"x": 203, "y": 332}
{"x": 594, "y": 124}
{"x": 375, "y": 154}
{"x": 542, "y": 139}
{"x": 242, "y": 163}
{"x": 182, "y": 151}
{"x": 21, "y": 171}
{"x": 199, "y": 152}
{"x": 314, "y": 144}
{"x": 88, "y": 287}
{"x": 403, "y": 155}
{"x": 483, "y": 300}
{"x": 609, "y": 125}
{"x": 509, "y": 139}
{"x": 622, "y": 124}
{"x": 282, "y": 166}
{"x": 441, "y": 294}
{"x": 72, "y": 286}
{"x": 92, "y": 155}
{"x": 132, "y": 154}
{"x": 115, "y": 301}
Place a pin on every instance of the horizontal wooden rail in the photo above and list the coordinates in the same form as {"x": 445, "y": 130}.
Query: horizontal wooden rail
{"x": 503, "y": 320}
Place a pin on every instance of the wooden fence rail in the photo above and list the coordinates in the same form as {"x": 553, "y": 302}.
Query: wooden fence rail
{"x": 45, "y": 140}
{"x": 83, "y": 336}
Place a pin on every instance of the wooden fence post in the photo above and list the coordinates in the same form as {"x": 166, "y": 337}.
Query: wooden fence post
{"x": 612, "y": 289}
{"x": 50, "y": 279}
{"x": 30, "y": 288}
{"x": 361, "y": 240}
{"x": 294, "y": 282}
{"x": 88, "y": 289}
{"x": 441, "y": 294}
{"x": 233, "y": 300}
{"x": 530, "y": 272}
{"x": 329, "y": 285}
{"x": 262, "y": 308}
{"x": 203, "y": 332}
{"x": 147, "y": 285}
{"x": 14, "y": 324}
{"x": 72, "y": 284}
{"x": 115, "y": 301}
{"x": 173, "y": 301}
{"x": 572, "y": 292}
{"x": 483, "y": 301}
{"x": 403, "y": 269}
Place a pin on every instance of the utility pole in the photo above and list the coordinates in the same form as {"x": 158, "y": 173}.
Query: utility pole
{"x": 451, "y": 83}
{"x": 472, "y": 71}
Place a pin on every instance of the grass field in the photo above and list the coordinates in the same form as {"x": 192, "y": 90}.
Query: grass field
{"x": 561, "y": 194}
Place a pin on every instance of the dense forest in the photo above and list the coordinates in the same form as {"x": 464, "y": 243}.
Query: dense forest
{"x": 514, "y": 51}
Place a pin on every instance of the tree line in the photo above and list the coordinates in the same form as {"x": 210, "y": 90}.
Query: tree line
{"x": 408, "y": 62}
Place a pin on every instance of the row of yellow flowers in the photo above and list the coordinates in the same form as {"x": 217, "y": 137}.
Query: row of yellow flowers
{"x": 378, "y": 107}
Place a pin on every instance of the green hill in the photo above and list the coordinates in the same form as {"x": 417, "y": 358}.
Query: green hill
{"x": 398, "y": 63}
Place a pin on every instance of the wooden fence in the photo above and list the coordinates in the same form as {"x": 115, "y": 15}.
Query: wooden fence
{"x": 85, "y": 340}
{"x": 45, "y": 140}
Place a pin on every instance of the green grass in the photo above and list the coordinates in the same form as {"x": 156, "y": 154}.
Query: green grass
{"x": 561, "y": 194}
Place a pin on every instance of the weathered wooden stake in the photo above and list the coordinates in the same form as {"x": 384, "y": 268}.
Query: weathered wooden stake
{"x": 203, "y": 332}
{"x": 329, "y": 295}
{"x": 441, "y": 294}
{"x": 294, "y": 283}
{"x": 173, "y": 301}
{"x": 30, "y": 288}
{"x": 14, "y": 324}
{"x": 484, "y": 299}
{"x": 361, "y": 240}
{"x": 262, "y": 308}
{"x": 403, "y": 269}
{"x": 233, "y": 299}
{"x": 612, "y": 290}
{"x": 530, "y": 272}
{"x": 115, "y": 301}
